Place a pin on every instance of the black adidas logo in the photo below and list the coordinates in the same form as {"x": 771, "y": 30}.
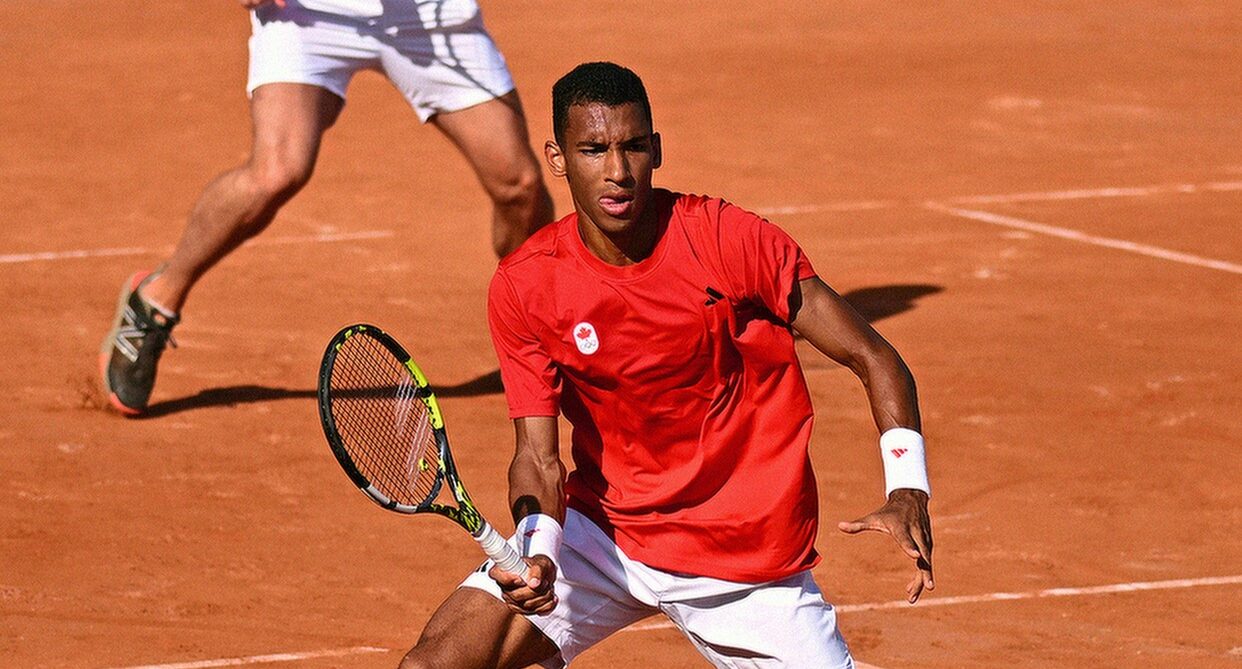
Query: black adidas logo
{"x": 713, "y": 296}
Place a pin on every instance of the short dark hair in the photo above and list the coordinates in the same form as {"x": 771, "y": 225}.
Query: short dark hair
{"x": 602, "y": 82}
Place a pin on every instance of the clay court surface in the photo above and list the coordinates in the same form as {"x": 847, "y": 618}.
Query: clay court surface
{"x": 1038, "y": 204}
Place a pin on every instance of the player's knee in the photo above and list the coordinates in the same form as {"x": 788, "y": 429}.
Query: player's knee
{"x": 522, "y": 187}
{"x": 279, "y": 178}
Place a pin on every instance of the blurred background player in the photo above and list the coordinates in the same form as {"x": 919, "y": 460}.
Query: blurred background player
{"x": 303, "y": 54}
{"x": 661, "y": 326}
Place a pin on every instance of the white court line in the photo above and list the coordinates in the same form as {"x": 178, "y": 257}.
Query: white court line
{"x": 1011, "y": 596}
{"x": 14, "y": 258}
{"x": 1050, "y": 592}
{"x": 1033, "y": 196}
{"x": 261, "y": 659}
{"x": 1075, "y": 235}
{"x": 1093, "y": 193}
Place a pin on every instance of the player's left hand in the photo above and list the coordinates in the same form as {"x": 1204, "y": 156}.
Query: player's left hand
{"x": 904, "y": 518}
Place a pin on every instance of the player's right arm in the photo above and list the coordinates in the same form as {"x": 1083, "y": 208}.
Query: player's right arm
{"x": 536, "y": 474}
{"x": 536, "y": 494}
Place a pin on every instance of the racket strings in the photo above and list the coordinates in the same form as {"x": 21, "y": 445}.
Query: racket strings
{"x": 384, "y": 425}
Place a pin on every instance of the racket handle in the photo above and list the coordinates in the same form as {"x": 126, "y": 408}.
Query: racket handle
{"x": 500, "y": 551}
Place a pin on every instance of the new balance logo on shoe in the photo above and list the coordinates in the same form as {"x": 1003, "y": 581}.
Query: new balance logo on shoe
{"x": 129, "y": 335}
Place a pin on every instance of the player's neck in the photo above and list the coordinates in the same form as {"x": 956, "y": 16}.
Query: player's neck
{"x": 629, "y": 246}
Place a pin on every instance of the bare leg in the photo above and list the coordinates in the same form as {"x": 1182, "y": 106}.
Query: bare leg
{"x": 494, "y": 140}
{"x": 473, "y": 630}
{"x": 289, "y": 121}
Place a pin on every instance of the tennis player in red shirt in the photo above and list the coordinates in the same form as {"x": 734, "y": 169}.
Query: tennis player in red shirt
{"x": 661, "y": 325}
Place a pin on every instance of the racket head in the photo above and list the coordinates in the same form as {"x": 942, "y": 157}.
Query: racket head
{"x": 382, "y": 421}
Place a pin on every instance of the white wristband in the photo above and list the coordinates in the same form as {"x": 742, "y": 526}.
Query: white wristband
{"x": 905, "y": 460}
{"x": 539, "y": 534}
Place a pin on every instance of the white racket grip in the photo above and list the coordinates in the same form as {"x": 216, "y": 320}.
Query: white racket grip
{"x": 500, "y": 551}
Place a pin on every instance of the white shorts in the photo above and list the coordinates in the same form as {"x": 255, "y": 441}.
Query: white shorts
{"x": 438, "y": 65}
{"x": 783, "y": 623}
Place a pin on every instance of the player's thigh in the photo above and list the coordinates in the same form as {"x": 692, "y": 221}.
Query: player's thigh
{"x": 493, "y": 137}
{"x": 289, "y": 121}
{"x": 446, "y": 69}
{"x": 294, "y": 45}
{"x": 785, "y": 624}
{"x": 472, "y": 629}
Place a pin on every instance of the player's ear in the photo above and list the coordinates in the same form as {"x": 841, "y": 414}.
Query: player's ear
{"x": 555, "y": 157}
{"x": 657, "y": 152}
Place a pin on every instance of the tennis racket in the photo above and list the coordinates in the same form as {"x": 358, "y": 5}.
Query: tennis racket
{"x": 385, "y": 429}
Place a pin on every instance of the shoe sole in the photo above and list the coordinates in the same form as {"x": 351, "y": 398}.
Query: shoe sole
{"x": 105, "y": 350}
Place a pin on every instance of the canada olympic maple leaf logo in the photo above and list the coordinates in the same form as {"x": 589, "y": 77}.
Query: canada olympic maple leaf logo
{"x": 585, "y": 338}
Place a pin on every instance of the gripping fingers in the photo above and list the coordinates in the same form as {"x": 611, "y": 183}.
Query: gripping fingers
{"x": 526, "y": 600}
{"x": 537, "y": 604}
{"x": 534, "y": 595}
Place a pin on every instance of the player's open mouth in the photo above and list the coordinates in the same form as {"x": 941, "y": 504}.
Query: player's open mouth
{"x": 616, "y": 205}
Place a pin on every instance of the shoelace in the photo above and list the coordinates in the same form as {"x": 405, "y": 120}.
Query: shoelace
{"x": 163, "y": 331}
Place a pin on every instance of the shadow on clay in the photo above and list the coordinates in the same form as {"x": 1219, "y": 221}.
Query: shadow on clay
{"x": 874, "y": 304}
{"x": 485, "y": 384}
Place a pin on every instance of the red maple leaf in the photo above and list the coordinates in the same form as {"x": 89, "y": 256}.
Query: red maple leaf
{"x": 584, "y": 332}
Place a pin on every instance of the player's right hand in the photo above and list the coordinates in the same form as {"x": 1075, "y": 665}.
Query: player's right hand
{"x": 534, "y": 595}
{"x": 251, "y": 4}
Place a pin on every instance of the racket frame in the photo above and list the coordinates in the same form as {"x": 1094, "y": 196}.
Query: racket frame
{"x": 464, "y": 514}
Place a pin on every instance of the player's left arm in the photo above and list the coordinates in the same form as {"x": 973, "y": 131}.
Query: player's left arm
{"x": 830, "y": 324}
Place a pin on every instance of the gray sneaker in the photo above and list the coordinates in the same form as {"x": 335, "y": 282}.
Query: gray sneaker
{"x": 130, "y": 353}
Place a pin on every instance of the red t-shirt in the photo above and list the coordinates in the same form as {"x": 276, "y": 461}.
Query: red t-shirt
{"x": 691, "y": 418}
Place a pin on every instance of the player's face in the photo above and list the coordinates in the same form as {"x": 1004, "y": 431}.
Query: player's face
{"x": 608, "y": 156}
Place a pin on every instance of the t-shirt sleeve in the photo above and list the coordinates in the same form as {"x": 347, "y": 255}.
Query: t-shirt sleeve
{"x": 764, "y": 262}
{"x": 532, "y": 383}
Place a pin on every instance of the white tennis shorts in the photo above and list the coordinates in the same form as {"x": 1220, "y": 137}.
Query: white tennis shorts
{"x": 440, "y": 61}
{"x": 783, "y": 623}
